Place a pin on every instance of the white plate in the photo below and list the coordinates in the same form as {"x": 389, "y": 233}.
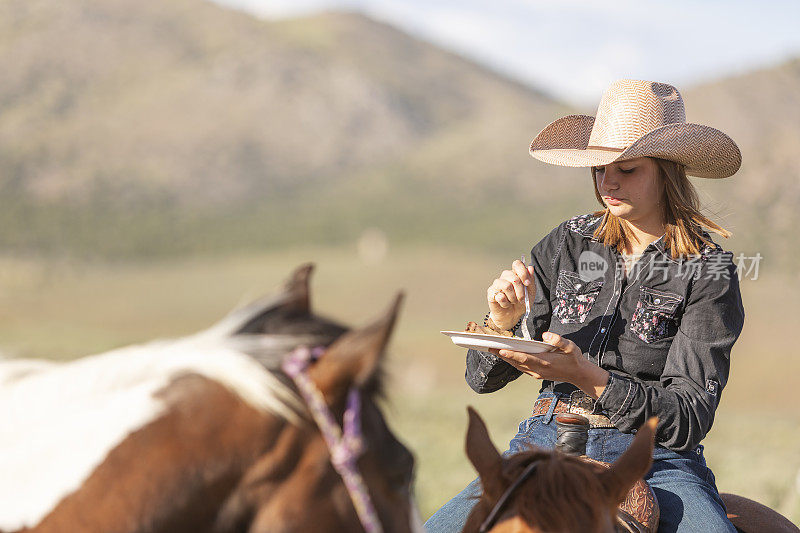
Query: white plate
{"x": 481, "y": 341}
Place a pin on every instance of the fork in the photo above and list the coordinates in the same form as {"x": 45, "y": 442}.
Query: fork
{"x": 525, "y": 333}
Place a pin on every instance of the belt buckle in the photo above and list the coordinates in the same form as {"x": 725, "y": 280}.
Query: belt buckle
{"x": 581, "y": 403}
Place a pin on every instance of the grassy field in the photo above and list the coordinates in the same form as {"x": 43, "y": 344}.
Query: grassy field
{"x": 65, "y": 309}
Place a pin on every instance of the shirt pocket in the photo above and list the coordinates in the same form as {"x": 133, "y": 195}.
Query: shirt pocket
{"x": 574, "y": 297}
{"x": 655, "y": 315}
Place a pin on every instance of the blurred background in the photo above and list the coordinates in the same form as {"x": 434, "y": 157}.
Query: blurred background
{"x": 162, "y": 161}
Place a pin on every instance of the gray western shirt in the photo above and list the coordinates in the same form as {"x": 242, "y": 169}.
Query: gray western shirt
{"x": 664, "y": 332}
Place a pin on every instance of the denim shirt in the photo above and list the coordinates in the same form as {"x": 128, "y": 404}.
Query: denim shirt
{"x": 664, "y": 332}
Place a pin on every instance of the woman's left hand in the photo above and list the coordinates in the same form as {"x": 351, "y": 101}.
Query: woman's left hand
{"x": 562, "y": 364}
{"x": 565, "y": 363}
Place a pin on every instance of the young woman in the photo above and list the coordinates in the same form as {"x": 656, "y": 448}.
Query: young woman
{"x": 642, "y": 306}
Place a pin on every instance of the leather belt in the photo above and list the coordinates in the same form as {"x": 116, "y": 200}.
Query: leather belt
{"x": 578, "y": 402}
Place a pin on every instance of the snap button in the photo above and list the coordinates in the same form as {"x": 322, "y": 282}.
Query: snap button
{"x": 657, "y": 301}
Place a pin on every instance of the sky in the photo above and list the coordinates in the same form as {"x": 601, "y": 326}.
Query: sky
{"x": 573, "y": 49}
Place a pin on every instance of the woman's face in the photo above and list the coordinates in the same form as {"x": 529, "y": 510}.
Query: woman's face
{"x": 631, "y": 189}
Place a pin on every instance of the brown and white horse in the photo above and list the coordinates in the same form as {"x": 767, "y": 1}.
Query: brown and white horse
{"x": 570, "y": 494}
{"x": 200, "y": 434}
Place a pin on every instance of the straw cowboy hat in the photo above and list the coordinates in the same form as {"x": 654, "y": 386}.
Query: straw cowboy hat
{"x": 638, "y": 118}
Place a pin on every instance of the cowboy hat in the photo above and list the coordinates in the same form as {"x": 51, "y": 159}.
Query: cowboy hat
{"x": 638, "y": 118}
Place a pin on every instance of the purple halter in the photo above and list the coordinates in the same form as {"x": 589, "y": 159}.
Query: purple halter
{"x": 345, "y": 444}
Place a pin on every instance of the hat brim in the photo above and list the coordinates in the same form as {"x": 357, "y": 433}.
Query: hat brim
{"x": 706, "y": 152}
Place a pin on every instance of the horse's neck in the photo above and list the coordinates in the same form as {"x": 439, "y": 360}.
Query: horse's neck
{"x": 91, "y": 406}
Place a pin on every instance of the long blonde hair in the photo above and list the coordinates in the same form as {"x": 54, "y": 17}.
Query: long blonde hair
{"x": 680, "y": 211}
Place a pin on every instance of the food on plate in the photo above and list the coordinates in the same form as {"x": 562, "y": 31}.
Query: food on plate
{"x": 491, "y": 329}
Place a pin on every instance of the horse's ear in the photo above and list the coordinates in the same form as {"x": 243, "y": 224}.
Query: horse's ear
{"x": 484, "y": 456}
{"x": 296, "y": 288}
{"x": 631, "y": 465}
{"x": 354, "y": 358}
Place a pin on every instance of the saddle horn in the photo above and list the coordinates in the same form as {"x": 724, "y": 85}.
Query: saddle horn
{"x": 572, "y": 432}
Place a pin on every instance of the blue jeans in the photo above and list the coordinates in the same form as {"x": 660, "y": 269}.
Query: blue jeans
{"x": 684, "y": 486}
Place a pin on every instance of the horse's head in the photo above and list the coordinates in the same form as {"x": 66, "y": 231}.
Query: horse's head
{"x": 560, "y": 493}
{"x": 294, "y": 486}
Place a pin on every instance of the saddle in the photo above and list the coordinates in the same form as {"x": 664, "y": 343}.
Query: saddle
{"x": 639, "y": 513}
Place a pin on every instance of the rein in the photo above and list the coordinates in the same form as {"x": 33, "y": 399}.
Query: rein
{"x": 492, "y": 518}
{"x": 345, "y": 444}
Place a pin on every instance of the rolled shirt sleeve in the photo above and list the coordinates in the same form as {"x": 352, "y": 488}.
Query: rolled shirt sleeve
{"x": 485, "y": 371}
{"x": 696, "y": 368}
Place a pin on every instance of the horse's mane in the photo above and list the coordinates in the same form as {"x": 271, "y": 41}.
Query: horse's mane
{"x": 232, "y": 352}
{"x": 545, "y": 499}
{"x": 243, "y": 351}
{"x": 269, "y": 328}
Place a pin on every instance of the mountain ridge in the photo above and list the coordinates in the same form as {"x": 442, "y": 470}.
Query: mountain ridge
{"x": 147, "y": 128}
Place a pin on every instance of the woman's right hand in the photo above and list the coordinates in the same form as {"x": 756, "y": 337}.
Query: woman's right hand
{"x": 506, "y": 295}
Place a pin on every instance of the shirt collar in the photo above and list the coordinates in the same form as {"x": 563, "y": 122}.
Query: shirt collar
{"x": 658, "y": 244}
{"x": 661, "y": 247}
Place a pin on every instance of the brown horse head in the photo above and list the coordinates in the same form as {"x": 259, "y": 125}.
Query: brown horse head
{"x": 564, "y": 493}
{"x": 294, "y": 488}
{"x": 208, "y": 438}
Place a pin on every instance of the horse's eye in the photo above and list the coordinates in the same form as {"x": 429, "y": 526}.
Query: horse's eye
{"x": 400, "y": 480}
